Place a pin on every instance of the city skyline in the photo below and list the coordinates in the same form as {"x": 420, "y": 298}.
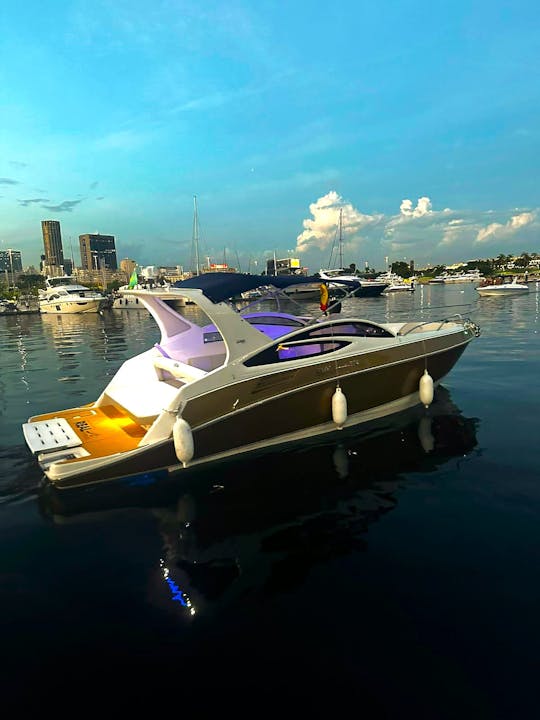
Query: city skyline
{"x": 420, "y": 127}
{"x": 207, "y": 262}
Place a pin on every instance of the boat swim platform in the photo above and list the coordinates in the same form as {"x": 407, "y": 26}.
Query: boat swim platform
{"x": 101, "y": 431}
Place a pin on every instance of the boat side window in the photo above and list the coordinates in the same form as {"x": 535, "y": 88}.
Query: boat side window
{"x": 358, "y": 329}
{"x": 283, "y": 352}
{"x": 212, "y": 336}
{"x": 273, "y": 320}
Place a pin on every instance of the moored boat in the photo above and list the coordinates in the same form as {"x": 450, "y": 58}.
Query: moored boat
{"x": 340, "y": 279}
{"x": 497, "y": 286}
{"x": 8, "y": 307}
{"x": 125, "y": 300}
{"x": 395, "y": 283}
{"x": 447, "y": 278}
{"x": 243, "y": 382}
{"x": 63, "y": 294}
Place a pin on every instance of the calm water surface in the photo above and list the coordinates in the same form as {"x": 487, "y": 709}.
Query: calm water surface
{"x": 390, "y": 572}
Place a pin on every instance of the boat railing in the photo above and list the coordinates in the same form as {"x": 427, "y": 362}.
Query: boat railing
{"x": 455, "y": 319}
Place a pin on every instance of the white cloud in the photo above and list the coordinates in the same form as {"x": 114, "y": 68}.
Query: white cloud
{"x": 423, "y": 207}
{"x": 500, "y": 231}
{"x": 523, "y": 219}
{"x": 415, "y": 232}
{"x": 321, "y": 230}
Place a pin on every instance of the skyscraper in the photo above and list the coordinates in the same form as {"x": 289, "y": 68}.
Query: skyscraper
{"x": 52, "y": 243}
{"x": 98, "y": 252}
{"x": 11, "y": 261}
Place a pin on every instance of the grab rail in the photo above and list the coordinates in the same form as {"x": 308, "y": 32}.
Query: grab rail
{"x": 178, "y": 369}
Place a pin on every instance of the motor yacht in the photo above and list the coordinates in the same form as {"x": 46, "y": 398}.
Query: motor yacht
{"x": 395, "y": 283}
{"x": 125, "y": 300}
{"x": 340, "y": 279}
{"x": 498, "y": 286}
{"x": 446, "y": 278}
{"x": 244, "y": 381}
{"x": 63, "y": 294}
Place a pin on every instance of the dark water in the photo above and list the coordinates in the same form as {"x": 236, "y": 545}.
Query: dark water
{"x": 390, "y": 572}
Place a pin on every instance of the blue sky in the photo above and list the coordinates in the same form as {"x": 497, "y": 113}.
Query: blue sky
{"x": 420, "y": 121}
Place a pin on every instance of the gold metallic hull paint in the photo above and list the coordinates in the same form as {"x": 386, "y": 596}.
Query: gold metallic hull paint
{"x": 307, "y": 401}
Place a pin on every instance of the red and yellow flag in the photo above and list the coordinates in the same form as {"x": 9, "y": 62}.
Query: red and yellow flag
{"x": 324, "y": 297}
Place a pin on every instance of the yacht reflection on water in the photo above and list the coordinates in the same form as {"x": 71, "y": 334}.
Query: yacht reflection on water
{"x": 260, "y": 524}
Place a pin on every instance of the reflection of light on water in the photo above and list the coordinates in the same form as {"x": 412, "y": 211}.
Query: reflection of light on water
{"x": 177, "y": 595}
{"x": 425, "y": 300}
{"x": 425, "y": 434}
{"x": 340, "y": 457}
{"x": 21, "y": 349}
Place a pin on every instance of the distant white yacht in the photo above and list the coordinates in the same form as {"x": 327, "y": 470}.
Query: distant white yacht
{"x": 125, "y": 301}
{"x": 497, "y": 286}
{"x": 63, "y": 295}
{"x": 463, "y": 277}
{"x": 395, "y": 283}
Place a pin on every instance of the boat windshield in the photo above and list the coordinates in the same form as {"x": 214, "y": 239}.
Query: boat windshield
{"x": 61, "y": 280}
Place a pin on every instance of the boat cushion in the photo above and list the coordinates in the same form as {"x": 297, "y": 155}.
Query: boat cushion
{"x": 143, "y": 406}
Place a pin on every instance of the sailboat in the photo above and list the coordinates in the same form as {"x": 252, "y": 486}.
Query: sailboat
{"x": 197, "y": 267}
{"x": 366, "y": 288}
{"x": 195, "y": 263}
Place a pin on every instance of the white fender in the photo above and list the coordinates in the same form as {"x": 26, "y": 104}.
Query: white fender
{"x": 426, "y": 389}
{"x": 183, "y": 441}
{"x": 339, "y": 408}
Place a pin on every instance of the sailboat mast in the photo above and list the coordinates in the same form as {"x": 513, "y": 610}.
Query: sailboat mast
{"x": 340, "y": 237}
{"x": 196, "y": 234}
{"x": 72, "y": 257}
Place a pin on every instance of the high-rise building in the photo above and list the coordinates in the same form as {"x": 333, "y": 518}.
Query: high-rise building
{"x": 286, "y": 266}
{"x": 10, "y": 261}
{"x": 68, "y": 266}
{"x": 98, "y": 252}
{"x": 128, "y": 265}
{"x": 52, "y": 244}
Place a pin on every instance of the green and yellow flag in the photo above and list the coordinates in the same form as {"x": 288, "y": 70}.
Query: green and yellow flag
{"x": 133, "y": 280}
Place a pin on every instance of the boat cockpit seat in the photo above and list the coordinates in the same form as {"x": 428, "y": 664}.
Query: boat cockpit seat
{"x": 142, "y": 407}
{"x": 153, "y": 393}
{"x": 205, "y": 363}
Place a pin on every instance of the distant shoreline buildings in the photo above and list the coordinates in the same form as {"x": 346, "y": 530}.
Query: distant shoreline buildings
{"x": 99, "y": 263}
{"x": 98, "y": 260}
